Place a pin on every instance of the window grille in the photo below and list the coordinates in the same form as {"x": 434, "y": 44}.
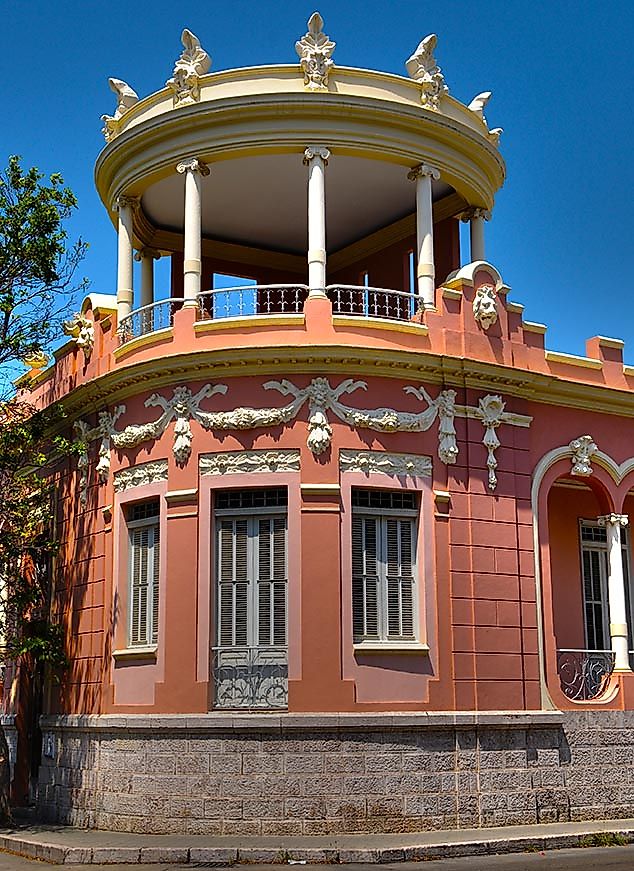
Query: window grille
{"x": 384, "y": 565}
{"x": 144, "y": 571}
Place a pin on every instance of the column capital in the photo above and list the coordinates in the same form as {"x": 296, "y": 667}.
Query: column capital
{"x": 147, "y": 252}
{"x": 423, "y": 170}
{"x": 616, "y": 519}
{"x": 125, "y": 201}
{"x": 192, "y": 164}
{"x": 313, "y": 151}
{"x": 475, "y": 212}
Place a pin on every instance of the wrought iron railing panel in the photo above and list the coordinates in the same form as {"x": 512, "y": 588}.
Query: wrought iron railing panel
{"x": 373, "y": 302}
{"x": 584, "y": 674}
{"x": 148, "y": 319}
{"x": 250, "y": 677}
{"x": 247, "y": 301}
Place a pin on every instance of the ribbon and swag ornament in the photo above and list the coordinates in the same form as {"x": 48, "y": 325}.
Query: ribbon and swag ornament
{"x": 184, "y": 406}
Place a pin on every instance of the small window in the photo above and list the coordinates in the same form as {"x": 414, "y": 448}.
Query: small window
{"x": 144, "y": 570}
{"x": 384, "y": 565}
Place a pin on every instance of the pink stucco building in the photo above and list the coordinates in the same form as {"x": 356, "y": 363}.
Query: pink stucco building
{"x": 345, "y": 540}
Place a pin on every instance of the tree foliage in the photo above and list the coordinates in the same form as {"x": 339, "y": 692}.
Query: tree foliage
{"x": 37, "y": 286}
{"x": 37, "y": 265}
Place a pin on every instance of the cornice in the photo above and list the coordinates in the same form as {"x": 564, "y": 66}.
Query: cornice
{"x": 268, "y": 123}
{"x": 126, "y": 381}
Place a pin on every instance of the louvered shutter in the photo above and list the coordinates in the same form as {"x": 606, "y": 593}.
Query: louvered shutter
{"x": 144, "y": 582}
{"x": 399, "y": 577}
{"x": 365, "y": 577}
{"x": 233, "y": 582}
{"x": 270, "y": 547}
{"x": 156, "y": 565}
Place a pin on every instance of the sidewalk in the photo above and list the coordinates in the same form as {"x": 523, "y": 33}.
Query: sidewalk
{"x": 63, "y": 845}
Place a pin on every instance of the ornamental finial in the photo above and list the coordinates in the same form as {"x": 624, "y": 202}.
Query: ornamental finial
{"x": 422, "y": 67}
{"x": 126, "y": 98}
{"x": 315, "y": 53}
{"x": 193, "y": 63}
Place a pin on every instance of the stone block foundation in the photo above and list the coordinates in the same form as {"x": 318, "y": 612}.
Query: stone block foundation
{"x": 314, "y": 774}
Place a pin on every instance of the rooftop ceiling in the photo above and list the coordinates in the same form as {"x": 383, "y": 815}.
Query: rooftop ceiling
{"x": 262, "y": 200}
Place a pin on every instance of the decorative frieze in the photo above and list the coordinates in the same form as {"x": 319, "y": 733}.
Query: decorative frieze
{"x": 237, "y": 462}
{"x": 138, "y": 476}
{"x": 193, "y": 63}
{"x": 422, "y": 67}
{"x": 315, "y": 54}
{"x": 414, "y": 465}
{"x": 323, "y": 399}
{"x": 583, "y": 449}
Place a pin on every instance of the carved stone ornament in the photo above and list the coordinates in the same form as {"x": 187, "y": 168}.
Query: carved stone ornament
{"x": 313, "y": 151}
{"x": 494, "y": 136}
{"x": 193, "y": 63}
{"x": 478, "y": 103}
{"x": 192, "y": 164}
{"x": 485, "y": 306}
{"x": 232, "y": 462}
{"x": 583, "y": 449}
{"x": 315, "y": 54}
{"x": 614, "y": 519}
{"x": 422, "y": 170}
{"x": 82, "y": 330}
{"x": 138, "y": 476}
{"x": 414, "y": 465}
{"x": 126, "y": 98}
{"x": 422, "y": 67}
{"x": 322, "y": 399}
{"x": 491, "y": 412}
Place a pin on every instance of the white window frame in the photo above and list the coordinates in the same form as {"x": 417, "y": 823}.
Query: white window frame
{"x": 602, "y": 547}
{"x": 152, "y": 524}
{"x": 253, "y": 517}
{"x": 383, "y": 638}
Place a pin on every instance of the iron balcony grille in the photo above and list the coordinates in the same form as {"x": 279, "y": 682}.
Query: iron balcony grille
{"x": 148, "y": 319}
{"x": 247, "y": 301}
{"x": 584, "y": 674}
{"x": 250, "y": 677}
{"x": 373, "y": 302}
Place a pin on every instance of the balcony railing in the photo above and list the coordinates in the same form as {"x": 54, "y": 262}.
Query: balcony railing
{"x": 148, "y": 319}
{"x": 259, "y": 299}
{"x": 584, "y": 674}
{"x": 374, "y": 302}
{"x": 250, "y": 677}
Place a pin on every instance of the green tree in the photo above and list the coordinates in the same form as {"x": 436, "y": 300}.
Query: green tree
{"x": 37, "y": 265}
{"x": 37, "y": 290}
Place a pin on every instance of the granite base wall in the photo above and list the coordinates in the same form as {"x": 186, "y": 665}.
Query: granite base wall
{"x": 308, "y": 774}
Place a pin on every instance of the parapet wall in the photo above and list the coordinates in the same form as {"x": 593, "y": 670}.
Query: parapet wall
{"x": 320, "y": 774}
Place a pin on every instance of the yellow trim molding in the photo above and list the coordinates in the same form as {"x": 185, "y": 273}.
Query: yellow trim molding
{"x": 572, "y": 360}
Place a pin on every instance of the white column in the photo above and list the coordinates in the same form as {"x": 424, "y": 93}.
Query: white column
{"x": 125, "y": 286}
{"x": 616, "y": 589}
{"x": 147, "y": 256}
{"x": 194, "y": 170}
{"x": 423, "y": 176}
{"x": 476, "y": 218}
{"x": 316, "y": 158}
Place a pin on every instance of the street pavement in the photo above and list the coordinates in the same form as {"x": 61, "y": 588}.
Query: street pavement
{"x": 579, "y": 859}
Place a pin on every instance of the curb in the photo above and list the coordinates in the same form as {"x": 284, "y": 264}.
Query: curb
{"x": 60, "y": 854}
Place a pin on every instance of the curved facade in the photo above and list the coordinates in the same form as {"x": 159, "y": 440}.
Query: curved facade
{"x": 320, "y": 535}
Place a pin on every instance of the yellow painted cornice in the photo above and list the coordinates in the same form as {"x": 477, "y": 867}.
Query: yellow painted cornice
{"x": 572, "y": 360}
{"x": 145, "y": 341}
{"x": 415, "y": 366}
{"x": 248, "y": 323}
{"x": 369, "y": 323}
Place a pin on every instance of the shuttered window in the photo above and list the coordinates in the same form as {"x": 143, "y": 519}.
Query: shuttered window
{"x": 251, "y": 563}
{"x": 144, "y": 571}
{"x": 383, "y": 565}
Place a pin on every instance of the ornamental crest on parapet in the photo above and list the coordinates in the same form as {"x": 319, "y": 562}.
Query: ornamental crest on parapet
{"x": 315, "y": 54}
{"x": 193, "y": 63}
{"x": 422, "y": 67}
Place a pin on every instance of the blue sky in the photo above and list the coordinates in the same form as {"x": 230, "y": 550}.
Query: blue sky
{"x": 563, "y": 90}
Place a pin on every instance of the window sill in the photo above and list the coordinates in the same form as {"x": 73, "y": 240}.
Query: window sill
{"x": 139, "y": 652}
{"x": 390, "y": 647}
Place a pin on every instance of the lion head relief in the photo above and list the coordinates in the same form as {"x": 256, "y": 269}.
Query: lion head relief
{"x": 484, "y": 306}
